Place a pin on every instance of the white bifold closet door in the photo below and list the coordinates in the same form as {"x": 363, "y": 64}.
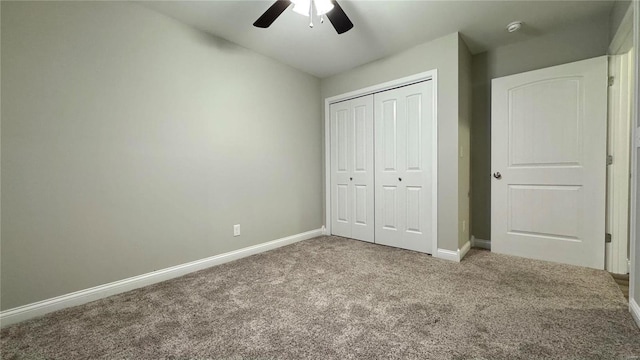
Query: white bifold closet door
{"x": 352, "y": 191}
{"x": 404, "y": 134}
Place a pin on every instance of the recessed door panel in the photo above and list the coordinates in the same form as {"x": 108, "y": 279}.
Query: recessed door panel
{"x": 413, "y": 216}
{"x": 561, "y": 218}
{"x": 390, "y": 135}
{"x": 414, "y": 138}
{"x": 342, "y": 203}
{"x": 343, "y": 139}
{"x": 361, "y": 138}
{"x": 545, "y": 122}
{"x": 361, "y": 215}
{"x": 390, "y": 206}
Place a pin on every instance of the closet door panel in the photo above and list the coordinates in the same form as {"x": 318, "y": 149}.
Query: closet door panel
{"x": 341, "y": 167}
{"x": 352, "y": 169}
{"x": 417, "y": 172}
{"x": 404, "y": 129}
{"x": 389, "y": 136}
{"x": 363, "y": 172}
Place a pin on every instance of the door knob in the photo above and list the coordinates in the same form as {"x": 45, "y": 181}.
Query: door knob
{"x": 399, "y": 179}
{"x": 497, "y": 175}
{"x": 351, "y": 179}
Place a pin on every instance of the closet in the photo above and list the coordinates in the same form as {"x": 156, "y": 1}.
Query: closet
{"x": 382, "y": 165}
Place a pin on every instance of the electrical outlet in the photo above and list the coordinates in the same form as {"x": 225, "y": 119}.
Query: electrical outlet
{"x": 236, "y": 230}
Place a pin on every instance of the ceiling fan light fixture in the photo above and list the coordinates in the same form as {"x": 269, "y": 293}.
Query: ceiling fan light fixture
{"x": 329, "y": 8}
{"x": 323, "y": 6}
{"x": 302, "y": 7}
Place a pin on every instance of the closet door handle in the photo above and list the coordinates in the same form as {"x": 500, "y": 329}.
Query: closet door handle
{"x": 399, "y": 179}
{"x": 350, "y": 179}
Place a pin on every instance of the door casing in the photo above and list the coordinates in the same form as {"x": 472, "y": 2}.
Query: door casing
{"x": 635, "y": 194}
{"x": 620, "y": 146}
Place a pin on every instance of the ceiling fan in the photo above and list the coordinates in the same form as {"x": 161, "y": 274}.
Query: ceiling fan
{"x": 330, "y": 8}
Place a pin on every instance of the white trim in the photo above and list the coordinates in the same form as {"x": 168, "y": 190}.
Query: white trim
{"x": 451, "y": 255}
{"x": 448, "y": 255}
{"x": 635, "y": 121}
{"x": 635, "y": 310}
{"x": 464, "y": 250}
{"x": 619, "y": 146}
{"x": 434, "y": 163}
{"x": 39, "y": 308}
{"x": 480, "y": 243}
{"x": 408, "y": 80}
{"x": 327, "y": 167}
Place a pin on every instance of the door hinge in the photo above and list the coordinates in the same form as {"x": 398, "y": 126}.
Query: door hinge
{"x": 609, "y": 159}
{"x": 607, "y": 238}
{"x": 611, "y": 80}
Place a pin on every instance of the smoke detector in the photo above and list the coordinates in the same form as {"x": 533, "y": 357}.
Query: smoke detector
{"x": 514, "y": 26}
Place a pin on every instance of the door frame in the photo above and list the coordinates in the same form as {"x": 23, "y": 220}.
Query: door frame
{"x": 431, "y": 75}
{"x": 634, "y": 271}
{"x": 619, "y": 122}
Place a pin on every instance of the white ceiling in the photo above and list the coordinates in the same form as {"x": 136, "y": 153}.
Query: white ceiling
{"x": 381, "y": 27}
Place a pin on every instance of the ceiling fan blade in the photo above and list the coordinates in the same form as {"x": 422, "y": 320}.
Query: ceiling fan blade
{"x": 272, "y": 13}
{"x": 339, "y": 19}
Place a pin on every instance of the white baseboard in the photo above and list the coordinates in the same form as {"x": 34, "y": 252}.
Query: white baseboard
{"x": 480, "y": 243}
{"x": 464, "y": 249}
{"x": 454, "y": 255}
{"x": 447, "y": 255}
{"x": 635, "y": 310}
{"x": 39, "y": 308}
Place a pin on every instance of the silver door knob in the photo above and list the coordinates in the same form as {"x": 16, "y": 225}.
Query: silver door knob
{"x": 497, "y": 175}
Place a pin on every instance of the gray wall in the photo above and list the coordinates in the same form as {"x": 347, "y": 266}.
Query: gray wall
{"x": 618, "y": 11}
{"x": 132, "y": 143}
{"x": 441, "y": 54}
{"x": 576, "y": 42}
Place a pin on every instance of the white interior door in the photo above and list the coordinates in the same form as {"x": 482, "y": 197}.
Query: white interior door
{"x": 548, "y": 158}
{"x": 352, "y": 191}
{"x": 404, "y": 129}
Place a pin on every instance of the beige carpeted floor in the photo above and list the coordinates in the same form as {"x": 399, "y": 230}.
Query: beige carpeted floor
{"x": 331, "y": 297}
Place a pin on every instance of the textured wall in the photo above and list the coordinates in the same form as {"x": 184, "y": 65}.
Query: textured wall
{"x": 131, "y": 143}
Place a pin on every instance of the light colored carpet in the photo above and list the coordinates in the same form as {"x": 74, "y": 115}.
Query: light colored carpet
{"x": 331, "y": 297}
